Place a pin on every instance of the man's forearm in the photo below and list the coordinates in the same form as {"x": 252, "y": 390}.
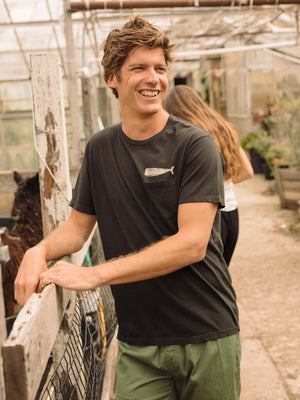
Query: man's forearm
{"x": 68, "y": 237}
{"x": 159, "y": 259}
{"x": 62, "y": 241}
{"x": 185, "y": 247}
{"x": 156, "y": 260}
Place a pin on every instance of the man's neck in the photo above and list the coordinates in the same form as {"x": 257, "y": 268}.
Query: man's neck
{"x": 144, "y": 128}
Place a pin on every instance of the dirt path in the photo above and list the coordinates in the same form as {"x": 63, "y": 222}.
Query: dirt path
{"x": 266, "y": 275}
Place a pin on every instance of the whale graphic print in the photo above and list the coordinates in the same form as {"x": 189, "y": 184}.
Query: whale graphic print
{"x": 158, "y": 171}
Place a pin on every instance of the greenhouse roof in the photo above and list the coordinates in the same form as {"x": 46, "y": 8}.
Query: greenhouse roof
{"x": 38, "y": 26}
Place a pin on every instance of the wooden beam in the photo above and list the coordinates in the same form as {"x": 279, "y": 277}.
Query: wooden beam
{"x": 3, "y": 144}
{"x": 109, "y": 379}
{"x": 130, "y": 4}
{"x": 51, "y": 139}
{"x": 288, "y": 186}
{"x": 2, "y": 337}
{"x": 27, "y": 349}
{"x": 72, "y": 84}
{"x": 91, "y": 119}
{"x": 35, "y": 331}
{"x": 37, "y": 327}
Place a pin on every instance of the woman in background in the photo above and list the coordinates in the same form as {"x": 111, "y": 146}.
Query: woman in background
{"x": 185, "y": 103}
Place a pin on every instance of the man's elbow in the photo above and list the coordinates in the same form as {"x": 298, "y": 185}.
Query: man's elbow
{"x": 198, "y": 252}
{"x": 78, "y": 244}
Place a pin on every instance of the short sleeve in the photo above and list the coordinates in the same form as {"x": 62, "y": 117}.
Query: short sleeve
{"x": 203, "y": 177}
{"x": 82, "y": 198}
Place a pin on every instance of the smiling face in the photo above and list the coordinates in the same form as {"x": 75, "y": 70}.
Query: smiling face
{"x": 142, "y": 83}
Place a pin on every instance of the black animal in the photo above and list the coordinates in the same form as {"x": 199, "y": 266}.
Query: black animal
{"x": 27, "y": 232}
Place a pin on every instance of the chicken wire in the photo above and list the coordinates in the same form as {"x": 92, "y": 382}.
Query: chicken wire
{"x": 79, "y": 373}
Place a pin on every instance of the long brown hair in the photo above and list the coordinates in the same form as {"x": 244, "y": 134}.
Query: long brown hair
{"x": 185, "y": 103}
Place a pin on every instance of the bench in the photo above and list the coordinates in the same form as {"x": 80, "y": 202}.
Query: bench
{"x": 288, "y": 185}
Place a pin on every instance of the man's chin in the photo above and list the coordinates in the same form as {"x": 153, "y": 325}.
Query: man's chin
{"x": 152, "y": 110}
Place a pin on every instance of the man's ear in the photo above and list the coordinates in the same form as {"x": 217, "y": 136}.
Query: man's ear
{"x": 111, "y": 81}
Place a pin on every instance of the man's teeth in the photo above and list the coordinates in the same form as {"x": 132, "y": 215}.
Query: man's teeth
{"x": 149, "y": 93}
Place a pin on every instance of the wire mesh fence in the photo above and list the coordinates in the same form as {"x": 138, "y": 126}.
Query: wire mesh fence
{"x": 80, "y": 371}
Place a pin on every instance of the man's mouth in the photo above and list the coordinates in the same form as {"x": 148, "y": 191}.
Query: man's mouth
{"x": 149, "y": 93}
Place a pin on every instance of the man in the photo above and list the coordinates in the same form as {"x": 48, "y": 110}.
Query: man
{"x": 154, "y": 184}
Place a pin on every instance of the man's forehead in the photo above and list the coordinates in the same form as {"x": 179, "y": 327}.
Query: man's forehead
{"x": 137, "y": 54}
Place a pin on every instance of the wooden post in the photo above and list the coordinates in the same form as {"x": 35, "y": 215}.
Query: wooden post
{"x": 4, "y": 257}
{"x": 2, "y": 338}
{"x": 72, "y": 87}
{"x": 238, "y": 101}
{"x": 51, "y": 139}
{"x": 3, "y": 144}
{"x": 288, "y": 186}
{"x": 109, "y": 380}
{"x": 35, "y": 330}
{"x": 91, "y": 118}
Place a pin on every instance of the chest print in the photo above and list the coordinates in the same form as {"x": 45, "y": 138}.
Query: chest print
{"x": 158, "y": 171}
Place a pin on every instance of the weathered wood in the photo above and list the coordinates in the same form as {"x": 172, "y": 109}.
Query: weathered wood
{"x": 2, "y": 338}
{"x": 72, "y": 84}
{"x": 288, "y": 185}
{"x": 76, "y": 6}
{"x": 4, "y": 156}
{"x": 34, "y": 333}
{"x": 91, "y": 119}
{"x": 27, "y": 349}
{"x": 51, "y": 139}
{"x": 109, "y": 380}
{"x": 38, "y": 329}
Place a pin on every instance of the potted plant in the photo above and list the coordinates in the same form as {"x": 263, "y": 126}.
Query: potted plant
{"x": 253, "y": 143}
{"x": 284, "y": 125}
{"x": 264, "y": 154}
{"x": 274, "y": 157}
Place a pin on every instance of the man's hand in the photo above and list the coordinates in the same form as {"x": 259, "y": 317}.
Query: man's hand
{"x": 69, "y": 276}
{"x": 28, "y": 276}
{"x": 67, "y": 238}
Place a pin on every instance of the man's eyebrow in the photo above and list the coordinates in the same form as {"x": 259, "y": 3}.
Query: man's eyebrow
{"x": 135, "y": 64}
{"x": 142, "y": 63}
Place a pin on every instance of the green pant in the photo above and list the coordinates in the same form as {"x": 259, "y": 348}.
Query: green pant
{"x": 201, "y": 371}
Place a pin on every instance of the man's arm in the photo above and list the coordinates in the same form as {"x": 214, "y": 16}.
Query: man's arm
{"x": 187, "y": 246}
{"x": 66, "y": 239}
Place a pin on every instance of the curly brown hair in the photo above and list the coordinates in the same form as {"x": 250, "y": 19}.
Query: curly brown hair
{"x": 185, "y": 103}
{"x": 137, "y": 32}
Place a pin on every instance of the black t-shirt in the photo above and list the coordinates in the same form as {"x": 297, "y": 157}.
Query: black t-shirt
{"x": 134, "y": 188}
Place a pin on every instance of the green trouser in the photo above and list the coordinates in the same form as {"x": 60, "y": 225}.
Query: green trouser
{"x": 201, "y": 371}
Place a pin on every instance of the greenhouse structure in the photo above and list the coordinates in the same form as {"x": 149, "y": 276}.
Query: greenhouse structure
{"x": 243, "y": 59}
{"x": 235, "y": 53}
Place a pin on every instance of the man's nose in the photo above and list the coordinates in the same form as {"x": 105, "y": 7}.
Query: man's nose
{"x": 153, "y": 75}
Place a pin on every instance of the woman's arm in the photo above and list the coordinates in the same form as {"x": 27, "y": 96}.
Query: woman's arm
{"x": 247, "y": 170}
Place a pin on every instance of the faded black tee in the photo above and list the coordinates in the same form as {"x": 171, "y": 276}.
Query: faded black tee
{"x": 134, "y": 188}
